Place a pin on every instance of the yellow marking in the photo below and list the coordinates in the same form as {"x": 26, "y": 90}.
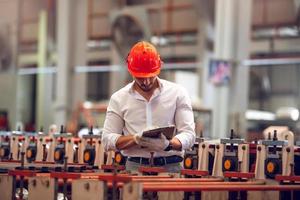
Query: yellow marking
{"x": 2, "y": 152}
{"x": 270, "y": 167}
{"x": 57, "y": 155}
{"x": 28, "y": 153}
{"x": 227, "y": 164}
{"x": 87, "y": 156}
{"x": 188, "y": 162}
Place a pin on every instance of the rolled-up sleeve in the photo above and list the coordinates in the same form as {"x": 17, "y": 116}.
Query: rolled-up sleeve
{"x": 184, "y": 120}
{"x": 113, "y": 125}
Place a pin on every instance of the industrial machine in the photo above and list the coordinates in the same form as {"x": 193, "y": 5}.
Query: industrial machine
{"x": 232, "y": 154}
{"x": 78, "y": 171}
{"x": 297, "y": 158}
{"x": 274, "y": 157}
{"x": 31, "y": 150}
{"x": 4, "y": 145}
{"x": 200, "y": 157}
{"x": 64, "y": 147}
{"x": 24, "y": 182}
{"x": 93, "y": 153}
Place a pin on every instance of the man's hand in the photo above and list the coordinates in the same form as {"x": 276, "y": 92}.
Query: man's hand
{"x": 155, "y": 144}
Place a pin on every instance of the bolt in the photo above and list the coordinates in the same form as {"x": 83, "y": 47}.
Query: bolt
{"x": 258, "y": 148}
{"x": 275, "y": 135}
{"x": 218, "y": 147}
{"x": 231, "y": 134}
{"x": 203, "y": 146}
{"x": 244, "y": 148}
{"x": 288, "y": 149}
{"x": 239, "y": 166}
{"x": 65, "y": 163}
{"x": 292, "y": 169}
{"x": 33, "y": 182}
{"x": 87, "y": 186}
{"x": 22, "y": 159}
{"x": 130, "y": 188}
{"x": 91, "y": 131}
{"x": 47, "y": 183}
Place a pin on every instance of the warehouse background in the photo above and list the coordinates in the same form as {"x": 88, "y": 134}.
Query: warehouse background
{"x": 60, "y": 56}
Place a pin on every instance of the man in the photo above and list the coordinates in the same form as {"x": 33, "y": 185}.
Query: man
{"x": 145, "y": 103}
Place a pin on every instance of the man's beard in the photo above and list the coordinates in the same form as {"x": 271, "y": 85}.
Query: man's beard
{"x": 145, "y": 88}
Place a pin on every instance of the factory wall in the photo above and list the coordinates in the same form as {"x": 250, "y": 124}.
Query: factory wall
{"x": 8, "y": 84}
{"x": 282, "y": 80}
{"x": 285, "y": 87}
{"x": 25, "y": 99}
{"x": 282, "y": 93}
{"x": 275, "y": 45}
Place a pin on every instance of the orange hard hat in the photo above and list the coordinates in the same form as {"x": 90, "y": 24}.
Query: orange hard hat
{"x": 143, "y": 60}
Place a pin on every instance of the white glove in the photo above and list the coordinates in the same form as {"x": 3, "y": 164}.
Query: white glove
{"x": 155, "y": 144}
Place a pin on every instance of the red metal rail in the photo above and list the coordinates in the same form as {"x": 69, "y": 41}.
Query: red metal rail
{"x": 193, "y": 188}
{"x": 194, "y": 172}
{"x": 24, "y": 173}
{"x": 287, "y": 178}
{"x": 177, "y": 180}
{"x": 238, "y": 175}
{"x": 151, "y": 169}
{"x": 112, "y": 167}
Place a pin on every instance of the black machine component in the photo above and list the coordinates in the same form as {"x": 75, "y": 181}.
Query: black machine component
{"x": 89, "y": 155}
{"x": 297, "y": 165}
{"x": 273, "y": 167}
{"x": 60, "y": 150}
{"x": 297, "y": 160}
{"x": 4, "y": 150}
{"x": 191, "y": 158}
{"x": 59, "y": 153}
{"x": 230, "y": 163}
{"x": 31, "y": 152}
{"x": 119, "y": 158}
{"x": 273, "y": 162}
{"x": 230, "y": 158}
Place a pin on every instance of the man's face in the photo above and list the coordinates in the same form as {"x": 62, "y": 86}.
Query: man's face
{"x": 145, "y": 84}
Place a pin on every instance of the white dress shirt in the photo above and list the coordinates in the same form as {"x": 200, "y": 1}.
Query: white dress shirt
{"x": 130, "y": 113}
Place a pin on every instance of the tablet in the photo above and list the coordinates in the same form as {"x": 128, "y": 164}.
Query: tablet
{"x": 168, "y": 131}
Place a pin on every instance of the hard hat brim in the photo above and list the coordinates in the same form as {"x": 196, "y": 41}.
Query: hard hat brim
{"x": 144, "y": 75}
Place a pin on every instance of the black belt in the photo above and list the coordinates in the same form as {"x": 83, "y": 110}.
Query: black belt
{"x": 157, "y": 161}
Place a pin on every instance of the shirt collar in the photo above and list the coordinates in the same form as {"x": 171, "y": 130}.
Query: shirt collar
{"x": 160, "y": 84}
